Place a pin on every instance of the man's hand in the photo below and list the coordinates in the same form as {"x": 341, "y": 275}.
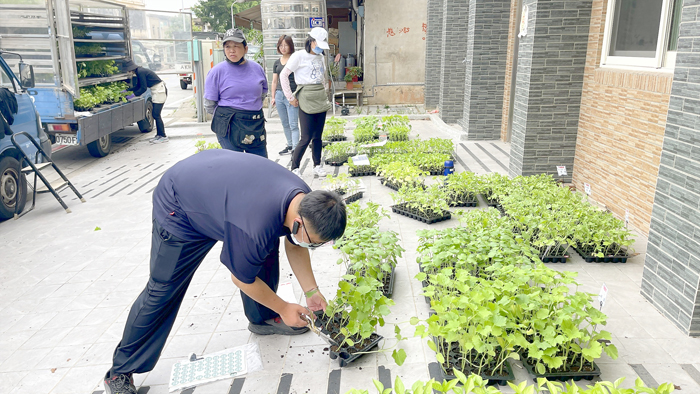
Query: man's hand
{"x": 317, "y": 302}
{"x": 291, "y": 315}
{"x": 294, "y": 102}
{"x": 272, "y": 101}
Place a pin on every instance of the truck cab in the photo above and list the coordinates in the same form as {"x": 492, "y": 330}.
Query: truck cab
{"x": 13, "y": 185}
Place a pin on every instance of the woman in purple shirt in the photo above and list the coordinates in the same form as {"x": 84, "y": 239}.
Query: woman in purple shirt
{"x": 233, "y": 93}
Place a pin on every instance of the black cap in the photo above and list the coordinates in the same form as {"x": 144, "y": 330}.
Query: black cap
{"x": 235, "y": 35}
{"x": 129, "y": 65}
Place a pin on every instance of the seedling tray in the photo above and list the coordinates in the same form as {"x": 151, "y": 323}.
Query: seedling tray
{"x": 435, "y": 172}
{"x": 336, "y": 161}
{"x": 362, "y": 171}
{"x": 344, "y": 356}
{"x": 463, "y": 201}
{"x": 561, "y": 376}
{"x": 401, "y": 210}
{"x": 492, "y": 380}
{"x": 605, "y": 259}
{"x": 396, "y": 187}
{"x": 336, "y": 138}
{"x": 490, "y": 202}
{"x": 354, "y": 197}
{"x": 557, "y": 257}
{"x": 387, "y": 282}
{"x": 340, "y": 191}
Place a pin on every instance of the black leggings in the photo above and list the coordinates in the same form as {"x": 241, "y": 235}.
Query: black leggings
{"x": 311, "y": 131}
{"x": 160, "y": 127}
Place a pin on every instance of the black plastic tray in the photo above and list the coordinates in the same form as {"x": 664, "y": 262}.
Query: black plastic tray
{"x": 492, "y": 380}
{"x": 346, "y": 359}
{"x": 388, "y": 289}
{"x": 335, "y": 162}
{"x": 604, "y": 259}
{"x": 361, "y": 172}
{"x": 336, "y": 138}
{"x": 354, "y": 197}
{"x": 398, "y": 208}
{"x": 561, "y": 376}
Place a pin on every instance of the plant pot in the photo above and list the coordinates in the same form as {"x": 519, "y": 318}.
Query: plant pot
{"x": 347, "y": 354}
{"x": 349, "y": 85}
{"x": 560, "y": 376}
{"x": 401, "y": 209}
{"x": 354, "y": 197}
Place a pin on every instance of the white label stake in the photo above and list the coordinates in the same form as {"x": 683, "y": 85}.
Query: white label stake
{"x": 627, "y": 217}
{"x": 561, "y": 170}
{"x": 603, "y": 295}
{"x": 587, "y": 188}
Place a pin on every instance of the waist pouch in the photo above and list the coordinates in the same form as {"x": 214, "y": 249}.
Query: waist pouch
{"x": 312, "y": 98}
{"x": 245, "y": 129}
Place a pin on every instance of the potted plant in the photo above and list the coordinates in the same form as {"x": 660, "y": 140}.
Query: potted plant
{"x": 354, "y": 72}
{"x": 348, "y": 81}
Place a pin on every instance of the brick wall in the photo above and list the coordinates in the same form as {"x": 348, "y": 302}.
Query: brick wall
{"x": 672, "y": 265}
{"x": 624, "y": 112}
{"x": 454, "y": 50}
{"x": 433, "y": 53}
{"x": 485, "y": 68}
{"x": 510, "y": 52}
{"x": 553, "y": 57}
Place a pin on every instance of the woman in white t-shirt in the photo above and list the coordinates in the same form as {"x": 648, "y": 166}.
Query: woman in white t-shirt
{"x": 310, "y": 96}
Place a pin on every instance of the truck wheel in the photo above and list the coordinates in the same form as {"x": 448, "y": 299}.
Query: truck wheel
{"x": 101, "y": 147}
{"x": 146, "y": 124}
{"x": 13, "y": 187}
{"x": 183, "y": 85}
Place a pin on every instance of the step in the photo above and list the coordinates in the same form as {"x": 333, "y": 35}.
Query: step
{"x": 56, "y": 185}
{"x": 28, "y": 169}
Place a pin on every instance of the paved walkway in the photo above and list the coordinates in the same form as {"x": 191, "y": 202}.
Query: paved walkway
{"x": 67, "y": 282}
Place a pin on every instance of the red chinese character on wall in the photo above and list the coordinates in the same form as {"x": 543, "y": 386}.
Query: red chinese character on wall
{"x": 425, "y": 27}
{"x": 404, "y": 30}
{"x": 390, "y": 32}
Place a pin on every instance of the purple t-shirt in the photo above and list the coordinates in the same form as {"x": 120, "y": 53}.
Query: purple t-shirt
{"x": 240, "y": 87}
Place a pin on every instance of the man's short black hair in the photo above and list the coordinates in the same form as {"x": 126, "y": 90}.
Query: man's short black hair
{"x": 324, "y": 212}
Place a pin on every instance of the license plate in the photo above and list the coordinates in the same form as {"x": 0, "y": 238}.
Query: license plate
{"x": 66, "y": 139}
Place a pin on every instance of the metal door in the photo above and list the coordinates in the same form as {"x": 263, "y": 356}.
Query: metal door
{"x": 66, "y": 51}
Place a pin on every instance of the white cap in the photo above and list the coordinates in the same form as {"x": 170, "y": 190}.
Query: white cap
{"x": 321, "y": 36}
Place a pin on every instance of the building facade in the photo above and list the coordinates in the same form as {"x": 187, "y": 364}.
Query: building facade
{"x": 609, "y": 88}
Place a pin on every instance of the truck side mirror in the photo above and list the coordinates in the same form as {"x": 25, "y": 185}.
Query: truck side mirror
{"x": 26, "y": 75}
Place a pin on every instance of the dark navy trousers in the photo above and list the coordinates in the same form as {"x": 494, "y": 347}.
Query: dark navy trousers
{"x": 173, "y": 264}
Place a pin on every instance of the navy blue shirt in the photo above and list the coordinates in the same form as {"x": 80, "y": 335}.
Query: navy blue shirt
{"x": 238, "y": 198}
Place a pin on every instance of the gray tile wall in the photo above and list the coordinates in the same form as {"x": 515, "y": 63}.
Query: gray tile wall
{"x": 454, "y": 50}
{"x": 672, "y": 265}
{"x": 551, "y": 61}
{"x": 433, "y": 54}
{"x": 487, "y": 49}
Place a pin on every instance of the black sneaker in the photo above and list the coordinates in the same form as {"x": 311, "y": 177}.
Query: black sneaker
{"x": 275, "y": 326}
{"x": 286, "y": 151}
{"x": 120, "y": 384}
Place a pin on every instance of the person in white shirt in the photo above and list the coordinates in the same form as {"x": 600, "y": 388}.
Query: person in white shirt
{"x": 310, "y": 96}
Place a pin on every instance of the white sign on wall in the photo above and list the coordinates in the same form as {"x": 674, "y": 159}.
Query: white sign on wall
{"x": 587, "y": 188}
{"x": 561, "y": 170}
{"x": 523, "y": 22}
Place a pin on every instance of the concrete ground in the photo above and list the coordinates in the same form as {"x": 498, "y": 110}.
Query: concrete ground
{"x": 67, "y": 282}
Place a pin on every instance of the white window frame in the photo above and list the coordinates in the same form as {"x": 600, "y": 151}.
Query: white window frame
{"x": 663, "y": 57}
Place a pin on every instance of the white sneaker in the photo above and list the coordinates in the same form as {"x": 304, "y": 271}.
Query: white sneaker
{"x": 296, "y": 172}
{"x": 319, "y": 172}
{"x": 158, "y": 140}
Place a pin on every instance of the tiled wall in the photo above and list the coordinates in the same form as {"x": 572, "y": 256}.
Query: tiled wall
{"x": 454, "y": 50}
{"x": 620, "y": 131}
{"x": 672, "y": 265}
{"x": 433, "y": 53}
{"x": 551, "y": 62}
{"x": 485, "y": 68}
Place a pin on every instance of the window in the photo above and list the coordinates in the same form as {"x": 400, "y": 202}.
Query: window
{"x": 642, "y": 33}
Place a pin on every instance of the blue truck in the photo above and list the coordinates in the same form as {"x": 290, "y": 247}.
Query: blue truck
{"x": 13, "y": 185}
{"x": 75, "y": 46}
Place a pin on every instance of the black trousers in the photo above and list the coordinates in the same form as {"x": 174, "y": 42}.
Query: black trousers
{"x": 311, "y": 131}
{"x": 160, "y": 126}
{"x": 173, "y": 264}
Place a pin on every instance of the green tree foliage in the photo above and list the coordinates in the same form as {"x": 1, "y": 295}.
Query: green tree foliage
{"x": 217, "y": 13}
